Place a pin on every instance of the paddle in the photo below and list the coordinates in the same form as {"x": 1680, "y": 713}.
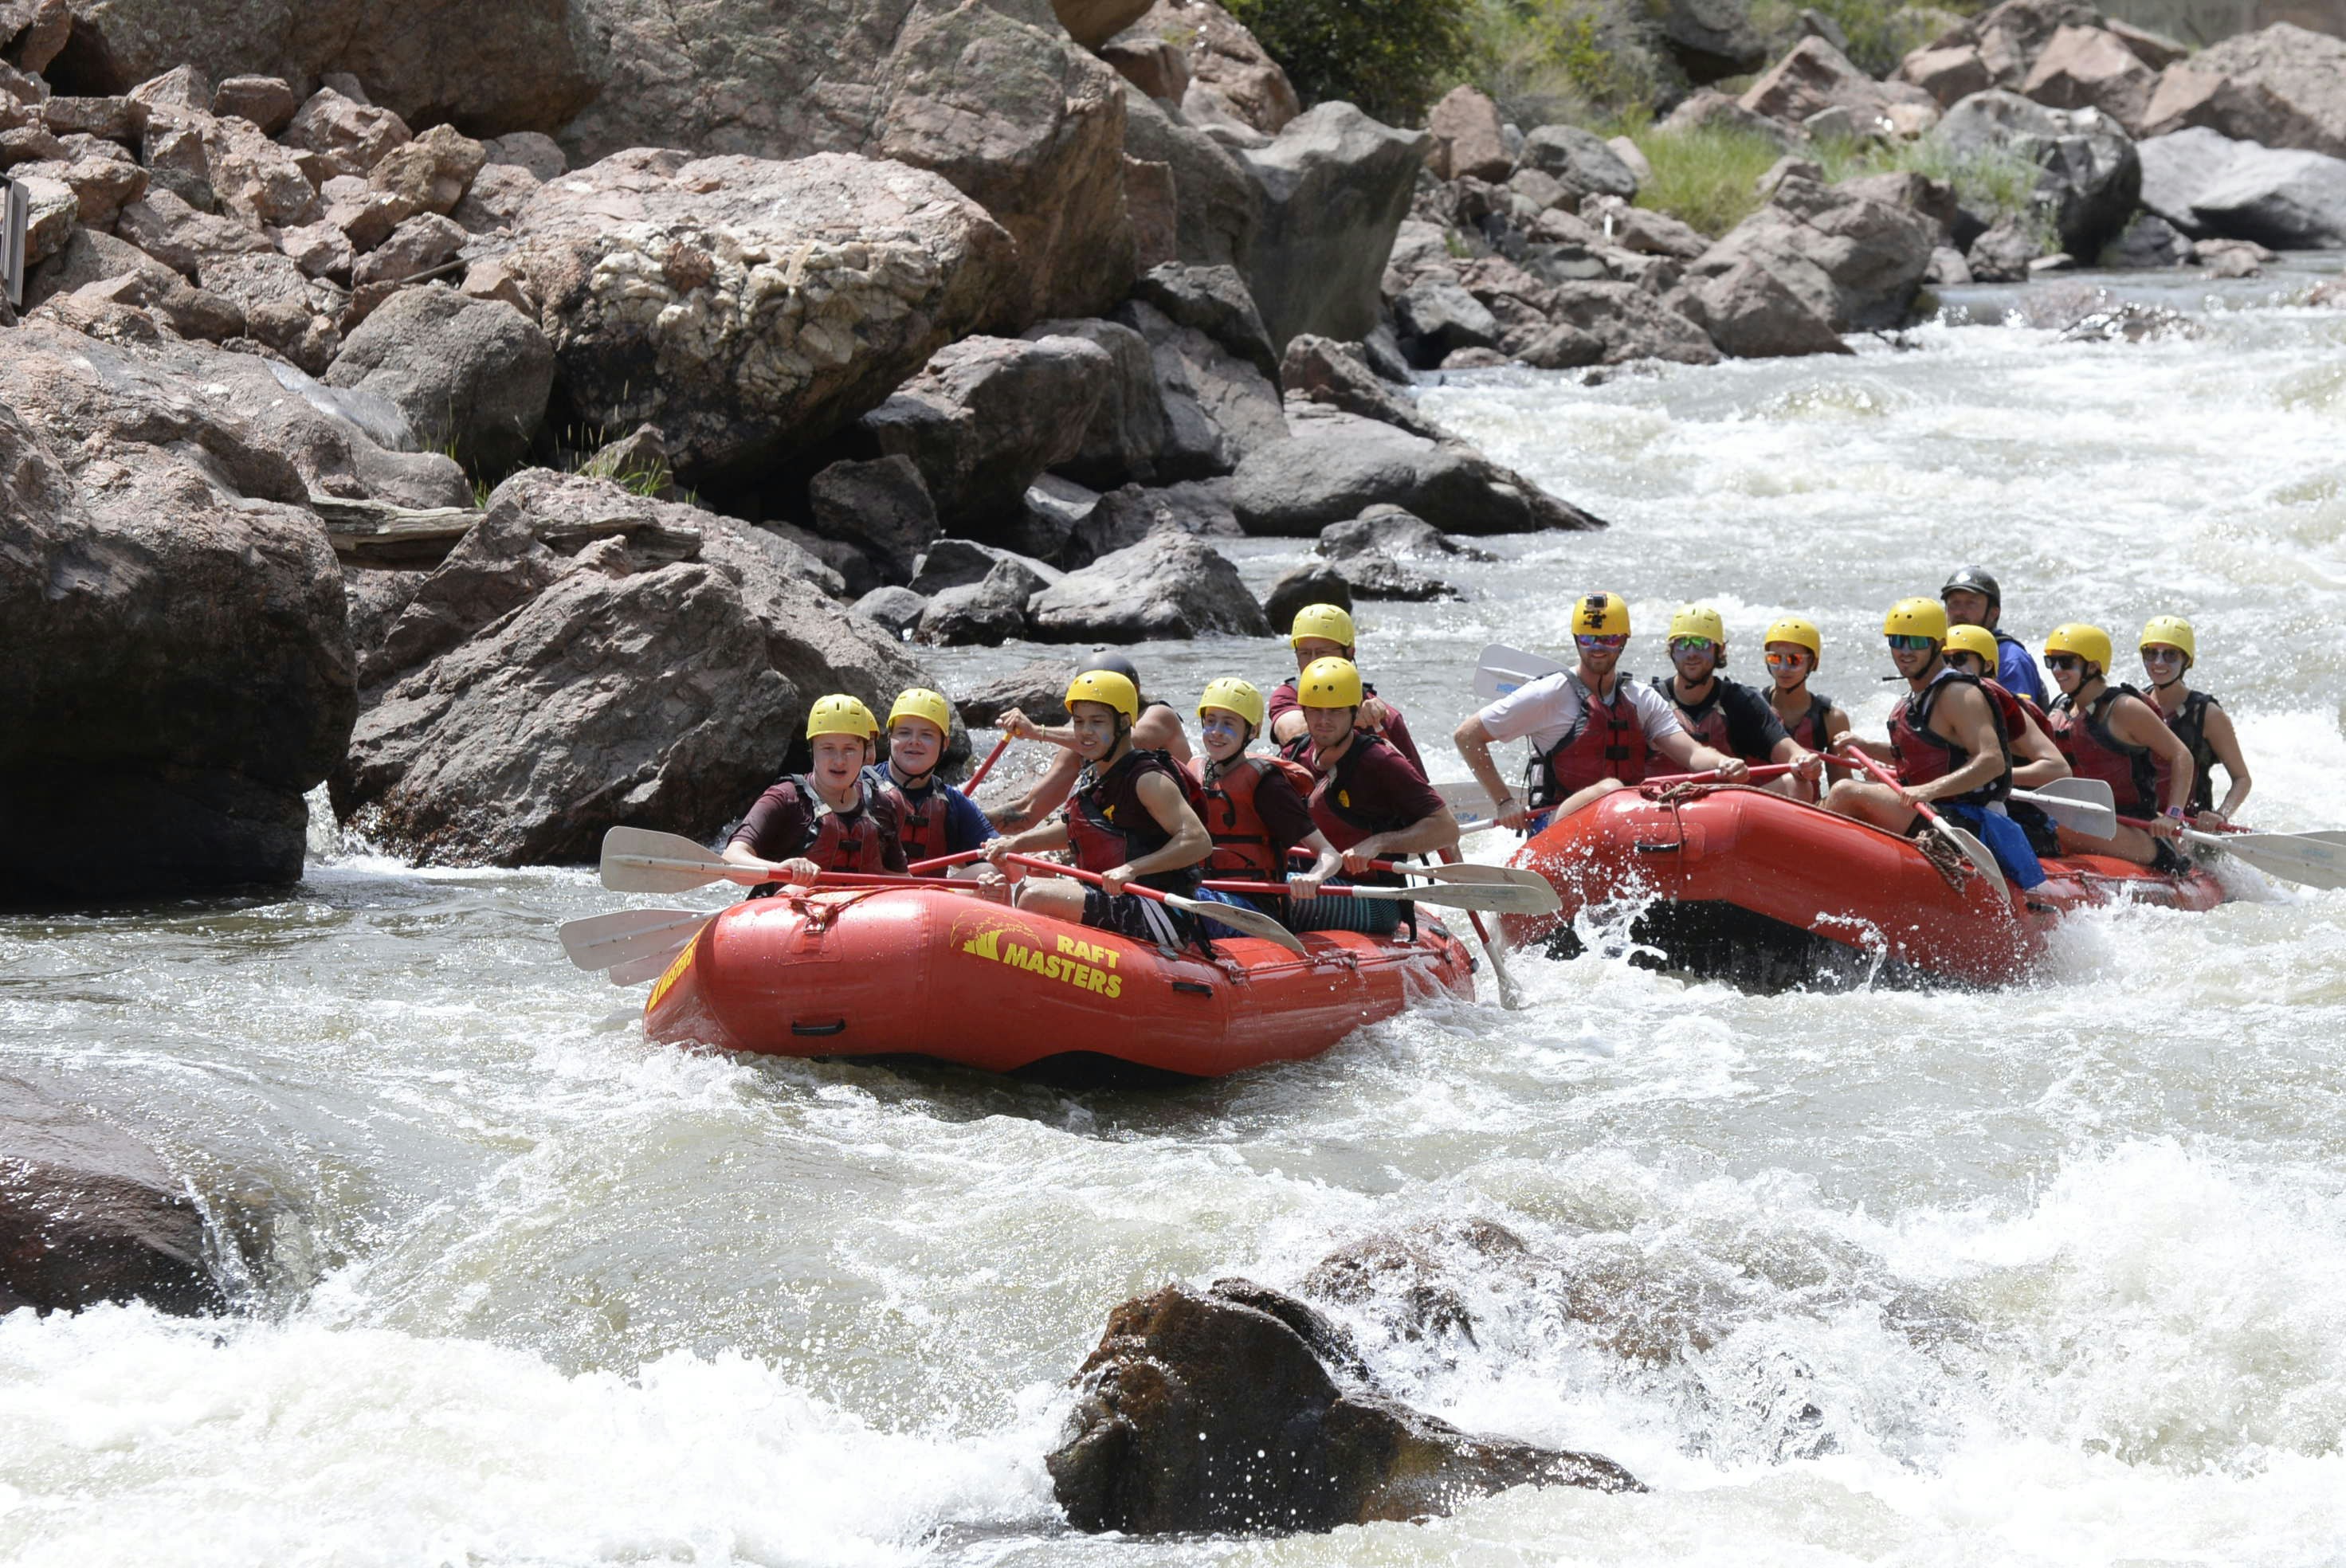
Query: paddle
{"x": 1971, "y": 848}
{"x": 1504, "y": 669}
{"x": 942, "y": 863}
{"x": 604, "y": 941}
{"x": 651, "y": 966}
{"x": 639, "y": 861}
{"x": 1252, "y": 922}
{"x": 2309, "y": 859}
{"x": 978, "y": 776}
{"x": 1464, "y": 871}
{"x": 1498, "y": 898}
{"x": 2076, "y": 810}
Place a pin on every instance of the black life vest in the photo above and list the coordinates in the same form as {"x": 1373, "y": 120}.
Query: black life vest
{"x": 1924, "y": 755}
{"x": 1808, "y": 732}
{"x": 1110, "y": 826}
{"x": 1606, "y": 742}
{"x": 2189, "y": 723}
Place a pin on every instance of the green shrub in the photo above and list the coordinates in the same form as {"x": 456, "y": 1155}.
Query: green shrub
{"x": 1881, "y": 33}
{"x": 1706, "y": 177}
{"x": 1389, "y": 57}
{"x": 1572, "y": 61}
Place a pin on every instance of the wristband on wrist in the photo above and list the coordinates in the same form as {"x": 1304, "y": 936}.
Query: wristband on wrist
{"x": 2175, "y": 812}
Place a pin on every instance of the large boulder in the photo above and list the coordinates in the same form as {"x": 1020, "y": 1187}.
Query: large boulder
{"x": 176, "y": 672}
{"x": 1169, "y": 584}
{"x": 2208, "y": 185}
{"x": 1580, "y": 161}
{"x": 1335, "y": 187}
{"x": 1214, "y": 207}
{"x": 1222, "y": 63}
{"x": 1126, "y": 433}
{"x": 750, "y": 309}
{"x": 2090, "y": 176}
{"x": 1618, "y": 323}
{"x": 1244, "y": 1409}
{"x": 1815, "y": 77}
{"x": 1092, "y": 23}
{"x": 1815, "y": 262}
{"x": 1470, "y": 140}
{"x": 471, "y": 373}
{"x": 986, "y": 415}
{"x": 2283, "y": 87}
{"x": 2091, "y": 69}
{"x": 987, "y": 612}
{"x": 586, "y": 657}
{"x": 1218, "y": 404}
{"x": 1711, "y": 39}
{"x": 1338, "y": 375}
{"x": 89, "y": 1213}
{"x": 1295, "y": 488}
{"x": 882, "y": 508}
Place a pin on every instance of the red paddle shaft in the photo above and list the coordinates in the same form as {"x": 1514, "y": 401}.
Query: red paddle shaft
{"x": 986, "y": 766}
{"x": 1053, "y": 868}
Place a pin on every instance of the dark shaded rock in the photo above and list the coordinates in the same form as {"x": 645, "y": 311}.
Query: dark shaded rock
{"x": 1311, "y": 583}
{"x": 898, "y": 609}
{"x": 1213, "y": 300}
{"x": 2003, "y": 254}
{"x": 1126, "y": 433}
{"x": 2149, "y": 241}
{"x": 655, "y": 274}
{"x": 2089, "y": 175}
{"x": 986, "y": 415}
{"x": 1037, "y": 689}
{"x": 1126, "y": 515}
{"x": 1296, "y": 488}
{"x": 1341, "y": 376}
{"x": 89, "y": 1214}
{"x": 1216, "y": 209}
{"x": 1626, "y": 323}
{"x": 1389, "y": 531}
{"x": 1711, "y": 39}
{"x": 953, "y": 564}
{"x": 1212, "y": 1412}
{"x": 1169, "y": 584}
{"x": 468, "y": 373}
{"x": 1437, "y": 318}
{"x": 1335, "y": 186}
{"x": 1580, "y": 161}
{"x": 1218, "y": 405}
{"x": 589, "y": 656}
{"x": 882, "y": 508}
{"x": 989, "y": 611}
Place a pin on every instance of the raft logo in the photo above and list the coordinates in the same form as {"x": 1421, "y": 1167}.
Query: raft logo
{"x": 1086, "y": 965}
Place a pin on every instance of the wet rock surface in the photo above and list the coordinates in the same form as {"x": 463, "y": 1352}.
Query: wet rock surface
{"x": 1242, "y": 1408}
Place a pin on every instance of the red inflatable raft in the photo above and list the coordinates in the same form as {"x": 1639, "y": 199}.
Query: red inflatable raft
{"x": 1766, "y": 892}
{"x": 911, "y": 972}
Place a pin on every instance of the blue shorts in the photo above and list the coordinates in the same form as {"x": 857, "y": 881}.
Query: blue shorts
{"x": 2004, "y": 839}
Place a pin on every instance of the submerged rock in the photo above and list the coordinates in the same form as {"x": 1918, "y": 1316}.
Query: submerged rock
{"x": 1244, "y": 1409}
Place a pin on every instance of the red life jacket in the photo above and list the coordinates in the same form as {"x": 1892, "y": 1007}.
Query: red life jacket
{"x": 1242, "y": 841}
{"x": 1608, "y": 742}
{"x": 2189, "y": 723}
{"x": 1923, "y": 755}
{"x": 1808, "y": 732}
{"x": 921, "y": 829}
{"x": 2136, "y": 775}
{"x": 837, "y": 843}
{"x": 1110, "y": 826}
{"x": 1706, "y": 722}
{"x": 2011, "y": 710}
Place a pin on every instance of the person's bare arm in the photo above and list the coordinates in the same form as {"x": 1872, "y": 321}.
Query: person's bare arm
{"x": 1159, "y": 729}
{"x": 1043, "y": 797}
{"x": 2037, "y": 761}
{"x": 1474, "y": 740}
{"x": 2137, "y": 723}
{"x": 2226, "y": 742}
{"x": 1189, "y": 843}
{"x": 1965, "y": 717}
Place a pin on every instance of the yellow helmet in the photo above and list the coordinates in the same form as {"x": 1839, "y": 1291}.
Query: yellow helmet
{"x": 839, "y": 714}
{"x": 1696, "y": 621}
{"x": 2088, "y": 643}
{"x": 1600, "y": 615}
{"x": 2170, "y": 631}
{"x": 1328, "y": 683}
{"x": 1239, "y": 696}
{"x": 1800, "y": 634}
{"x": 1106, "y": 686}
{"x": 1974, "y": 640}
{"x": 920, "y": 702}
{"x": 1916, "y": 618}
{"x": 1331, "y": 621}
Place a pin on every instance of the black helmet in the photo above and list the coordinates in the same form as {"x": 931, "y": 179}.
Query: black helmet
{"x": 1116, "y": 662}
{"x": 1974, "y": 580}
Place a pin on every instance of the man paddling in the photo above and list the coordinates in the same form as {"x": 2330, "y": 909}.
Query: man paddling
{"x": 1592, "y": 731}
{"x": 2109, "y": 732}
{"x": 1326, "y": 631}
{"x": 932, "y": 818}
{"x": 1971, "y": 598}
{"x": 1159, "y": 728}
{"x": 1947, "y": 743}
{"x": 1368, "y": 802}
{"x": 832, "y": 818}
{"x": 1132, "y": 817}
{"x": 1724, "y": 714}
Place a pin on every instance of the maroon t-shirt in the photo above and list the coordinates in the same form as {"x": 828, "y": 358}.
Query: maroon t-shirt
{"x": 1372, "y": 789}
{"x": 781, "y": 824}
{"x": 1396, "y": 730}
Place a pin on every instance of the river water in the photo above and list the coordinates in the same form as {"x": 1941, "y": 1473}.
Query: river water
{"x": 2053, "y": 1275}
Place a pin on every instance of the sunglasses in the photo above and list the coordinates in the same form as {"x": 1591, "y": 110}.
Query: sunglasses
{"x": 1690, "y": 645}
{"x": 1905, "y": 643}
{"x": 2162, "y": 655}
{"x": 2063, "y": 661}
{"x": 1610, "y": 640}
{"x": 1787, "y": 660}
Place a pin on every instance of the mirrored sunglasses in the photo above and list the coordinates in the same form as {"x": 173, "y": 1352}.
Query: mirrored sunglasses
{"x": 1787, "y": 660}
{"x": 1605, "y": 640}
{"x": 1690, "y": 645}
{"x": 1905, "y": 643}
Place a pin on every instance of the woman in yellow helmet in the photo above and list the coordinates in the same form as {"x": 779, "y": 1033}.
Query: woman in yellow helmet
{"x": 832, "y": 818}
{"x": 1794, "y": 651}
{"x": 932, "y": 818}
{"x": 1254, "y": 807}
{"x": 1132, "y": 819}
{"x": 2169, "y": 650}
{"x": 1325, "y": 631}
{"x": 2109, "y": 733}
{"x": 1368, "y": 802}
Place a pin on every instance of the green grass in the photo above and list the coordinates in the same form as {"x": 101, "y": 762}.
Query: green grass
{"x": 1707, "y": 177}
{"x": 1561, "y": 61}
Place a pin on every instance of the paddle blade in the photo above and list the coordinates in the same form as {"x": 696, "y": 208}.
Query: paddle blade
{"x": 1490, "y": 898}
{"x": 2309, "y": 859}
{"x": 601, "y": 941}
{"x": 639, "y": 861}
{"x": 1467, "y": 872}
{"x": 1504, "y": 668}
{"x": 1982, "y": 859}
{"x": 2086, "y": 791}
{"x": 651, "y": 966}
{"x": 1254, "y": 922}
{"x": 2083, "y": 817}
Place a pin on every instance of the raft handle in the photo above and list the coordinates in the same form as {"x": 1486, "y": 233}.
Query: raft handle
{"x": 836, "y": 1026}
{"x": 1643, "y": 848}
{"x": 1193, "y": 988}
